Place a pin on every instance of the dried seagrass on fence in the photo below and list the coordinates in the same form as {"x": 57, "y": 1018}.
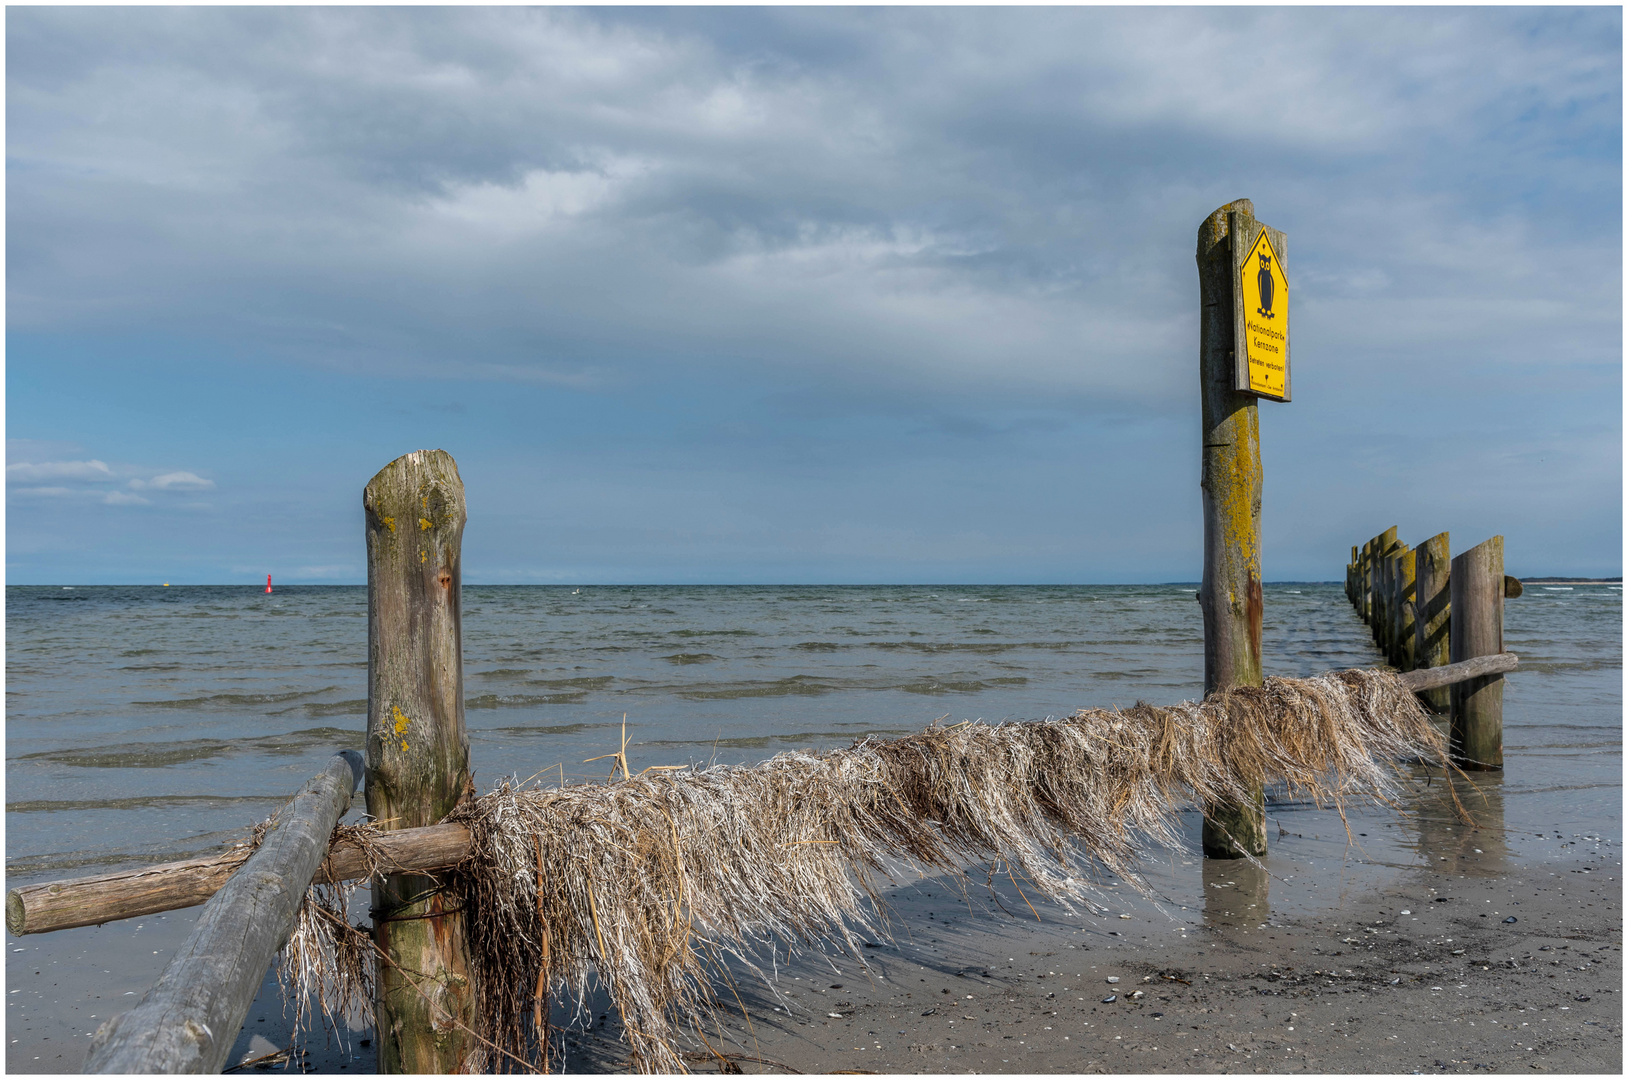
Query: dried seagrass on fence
{"x": 647, "y": 883}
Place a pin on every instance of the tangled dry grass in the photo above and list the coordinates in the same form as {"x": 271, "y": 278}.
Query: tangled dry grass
{"x": 646, "y": 885}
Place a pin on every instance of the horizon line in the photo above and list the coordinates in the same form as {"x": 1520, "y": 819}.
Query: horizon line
{"x": 1534, "y": 579}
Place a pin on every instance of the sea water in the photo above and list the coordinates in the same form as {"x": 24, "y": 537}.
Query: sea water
{"x": 145, "y": 724}
{"x": 149, "y": 724}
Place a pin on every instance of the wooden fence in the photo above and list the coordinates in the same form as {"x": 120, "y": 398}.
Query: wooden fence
{"x": 188, "y": 1021}
{"x": 1426, "y": 612}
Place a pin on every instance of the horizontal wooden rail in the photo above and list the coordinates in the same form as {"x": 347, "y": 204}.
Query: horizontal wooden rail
{"x": 188, "y": 1021}
{"x": 86, "y": 901}
{"x": 1474, "y": 668}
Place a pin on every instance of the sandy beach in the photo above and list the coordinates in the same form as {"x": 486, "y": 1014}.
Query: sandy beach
{"x": 1503, "y": 955}
{"x": 1365, "y": 989}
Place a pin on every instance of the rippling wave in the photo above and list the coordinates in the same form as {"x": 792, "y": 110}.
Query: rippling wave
{"x": 150, "y": 723}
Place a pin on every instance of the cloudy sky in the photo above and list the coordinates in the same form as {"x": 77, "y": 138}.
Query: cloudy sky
{"x": 776, "y": 295}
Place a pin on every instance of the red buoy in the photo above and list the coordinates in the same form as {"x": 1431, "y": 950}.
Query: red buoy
{"x": 268, "y": 582}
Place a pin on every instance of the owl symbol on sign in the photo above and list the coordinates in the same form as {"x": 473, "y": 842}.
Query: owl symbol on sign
{"x": 1264, "y": 280}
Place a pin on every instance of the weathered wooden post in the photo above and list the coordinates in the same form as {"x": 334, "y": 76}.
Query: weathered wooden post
{"x": 1243, "y": 355}
{"x": 1402, "y": 637}
{"x": 1364, "y": 573}
{"x": 1370, "y": 610}
{"x": 1376, "y": 610}
{"x": 1476, "y": 587}
{"x": 417, "y": 754}
{"x": 1377, "y": 622}
{"x": 1382, "y": 619}
{"x": 1371, "y": 583}
{"x": 1393, "y": 602}
{"x": 1383, "y": 601}
{"x": 1431, "y": 607}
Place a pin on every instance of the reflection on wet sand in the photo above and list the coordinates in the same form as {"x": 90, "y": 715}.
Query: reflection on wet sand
{"x": 1449, "y": 845}
{"x": 1235, "y": 893}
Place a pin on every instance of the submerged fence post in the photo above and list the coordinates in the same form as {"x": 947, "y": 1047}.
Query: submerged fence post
{"x": 1383, "y": 553}
{"x": 1360, "y": 599}
{"x": 417, "y": 754}
{"x": 1402, "y": 639}
{"x": 1361, "y": 580}
{"x": 1230, "y": 481}
{"x": 1477, "y": 629}
{"x": 1431, "y": 613}
{"x": 1393, "y": 603}
{"x": 1387, "y": 601}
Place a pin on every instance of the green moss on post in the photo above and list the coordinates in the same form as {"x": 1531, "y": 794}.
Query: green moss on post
{"x": 1230, "y": 481}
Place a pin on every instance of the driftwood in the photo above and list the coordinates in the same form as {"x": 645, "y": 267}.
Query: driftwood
{"x": 1476, "y": 667}
{"x": 188, "y": 1021}
{"x": 127, "y": 894}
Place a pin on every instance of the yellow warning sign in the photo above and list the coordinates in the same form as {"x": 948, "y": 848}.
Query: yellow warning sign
{"x": 1263, "y": 318}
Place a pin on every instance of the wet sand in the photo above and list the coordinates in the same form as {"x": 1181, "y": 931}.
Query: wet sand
{"x": 1387, "y": 952}
{"x": 1326, "y": 962}
{"x": 1448, "y": 987}
{"x": 1396, "y": 969}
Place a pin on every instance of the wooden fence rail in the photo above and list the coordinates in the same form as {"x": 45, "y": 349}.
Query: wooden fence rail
{"x": 188, "y": 1021}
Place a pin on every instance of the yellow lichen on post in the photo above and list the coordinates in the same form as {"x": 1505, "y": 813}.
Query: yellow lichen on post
{"x": 425, "y": 1000}
{"x": 1230, "y": 483}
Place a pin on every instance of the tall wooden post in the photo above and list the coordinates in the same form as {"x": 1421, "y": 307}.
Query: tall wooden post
{"x": 1363, "y": 579}
{"x": 1477, "y": 629}
{"x": 1230, "y": 481}
{"x": 1370, "y": 583}
{"x": 1393, "y": 602}
{"x": 417, "y": 754}
{"x": 1382, "y": 551}
{"x": 1382, "y": 609}
{"x": 1431, "y": 608}
{"x": 1402, "y": 637}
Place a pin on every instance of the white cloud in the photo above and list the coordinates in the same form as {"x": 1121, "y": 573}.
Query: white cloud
{"x": 954, "y": 217}
{"x": 876, "y": 190}
{"x": 32, "y": 472}
{"x": 88, "y": 479}
{"x": 179, "y": 481}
